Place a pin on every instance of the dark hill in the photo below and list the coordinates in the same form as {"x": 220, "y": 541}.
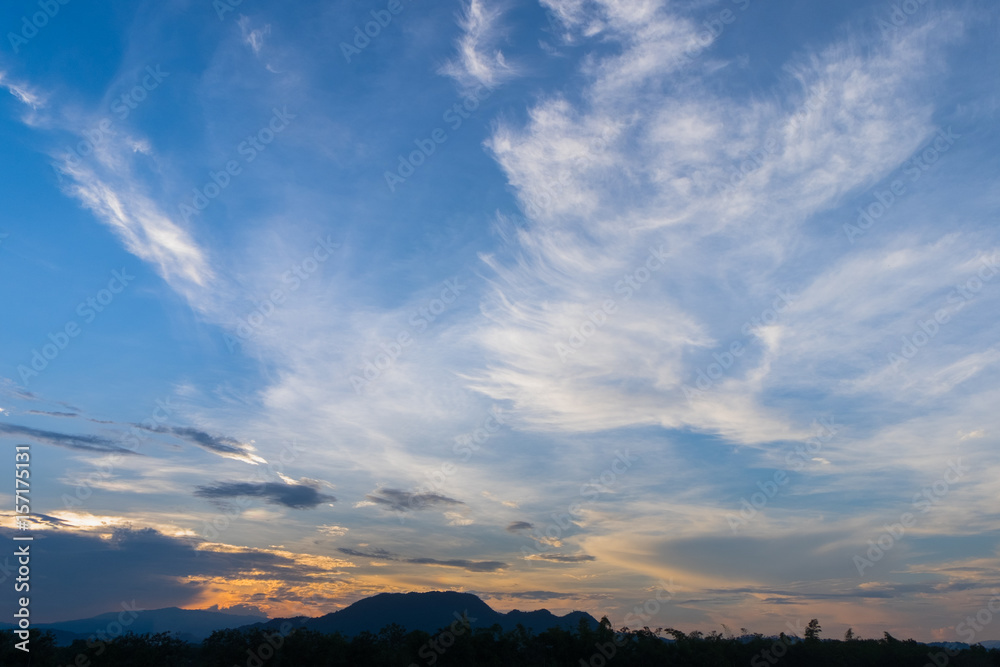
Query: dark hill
{"x": 414, "y": 611}
{"x": 429, "y": 612}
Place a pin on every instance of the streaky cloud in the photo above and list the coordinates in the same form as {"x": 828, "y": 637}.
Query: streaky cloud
{"x": 405, "y": 501}
{"x": 87, "y": 443}
{"x": 561, "y": 558}
{"x": 222, "y": 445}
{"x": 470, "y": 565}
{"x": 294, "y": 496}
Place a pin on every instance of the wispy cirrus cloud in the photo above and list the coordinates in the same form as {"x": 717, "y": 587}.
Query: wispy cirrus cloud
{"x": 465, "y": 564}
{"x": 479, "y": 61}
{"x": 87, "y": 443}
{"x": 253, "y": 37}
{"x": 221, "y": 445}
{"x": 565, "y": 165}
{"x": 21, "y": 91}
{"x": 108, "y": 186}
{"x": 146, "y": 230}
{"x": 686, "y": 181}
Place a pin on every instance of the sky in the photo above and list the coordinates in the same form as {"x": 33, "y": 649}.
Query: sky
{"x": 682, "y": 313}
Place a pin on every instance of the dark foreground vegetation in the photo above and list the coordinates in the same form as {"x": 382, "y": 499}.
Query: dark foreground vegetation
{"x": 460, "y": 646}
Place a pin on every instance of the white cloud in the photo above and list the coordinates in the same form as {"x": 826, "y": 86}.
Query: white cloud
{"x": 145, "y": 229}
{"x": 254, "y": 38}
{"x": 23, "y": 93}
{"x": 479, "y": 61}
{"x": 604, "y": 181}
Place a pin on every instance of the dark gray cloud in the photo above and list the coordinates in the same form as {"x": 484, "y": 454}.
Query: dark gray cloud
{"x": 74, "y": 415}
{"x": 81, "y": 575}
{"x": 470, "y": 565}
{"x": 378, "y": 554}
{"x": 222, "y": 445}
{"x": 87, "y": 443}
{"x": 887, "y": 590}
{"x": 45, "y": 519}
{"x": 540, "y": 595}
{"x": 562, "y": 558}
{"x": 520, "y": 525}
{"x": 8, "y": 386}
{"x": 296, "y": 496}
{"x": 405, "y": 501}
{"x": 50, "y": 413}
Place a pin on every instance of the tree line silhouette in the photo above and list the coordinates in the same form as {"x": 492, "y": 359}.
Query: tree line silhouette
{"x": 492, "y": 647}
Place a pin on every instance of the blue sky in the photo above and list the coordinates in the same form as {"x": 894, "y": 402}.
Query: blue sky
{"x": 525, "y": 299}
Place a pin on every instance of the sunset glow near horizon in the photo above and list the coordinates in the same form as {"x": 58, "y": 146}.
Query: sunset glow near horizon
{"x": 683, "y": 313}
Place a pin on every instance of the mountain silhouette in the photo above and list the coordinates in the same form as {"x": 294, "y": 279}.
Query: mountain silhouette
{"x": 428, "y": 612}
{"x": 413, "y": 611}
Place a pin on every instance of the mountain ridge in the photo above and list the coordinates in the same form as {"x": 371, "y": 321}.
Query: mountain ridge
{"x": 427, "y": 611}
